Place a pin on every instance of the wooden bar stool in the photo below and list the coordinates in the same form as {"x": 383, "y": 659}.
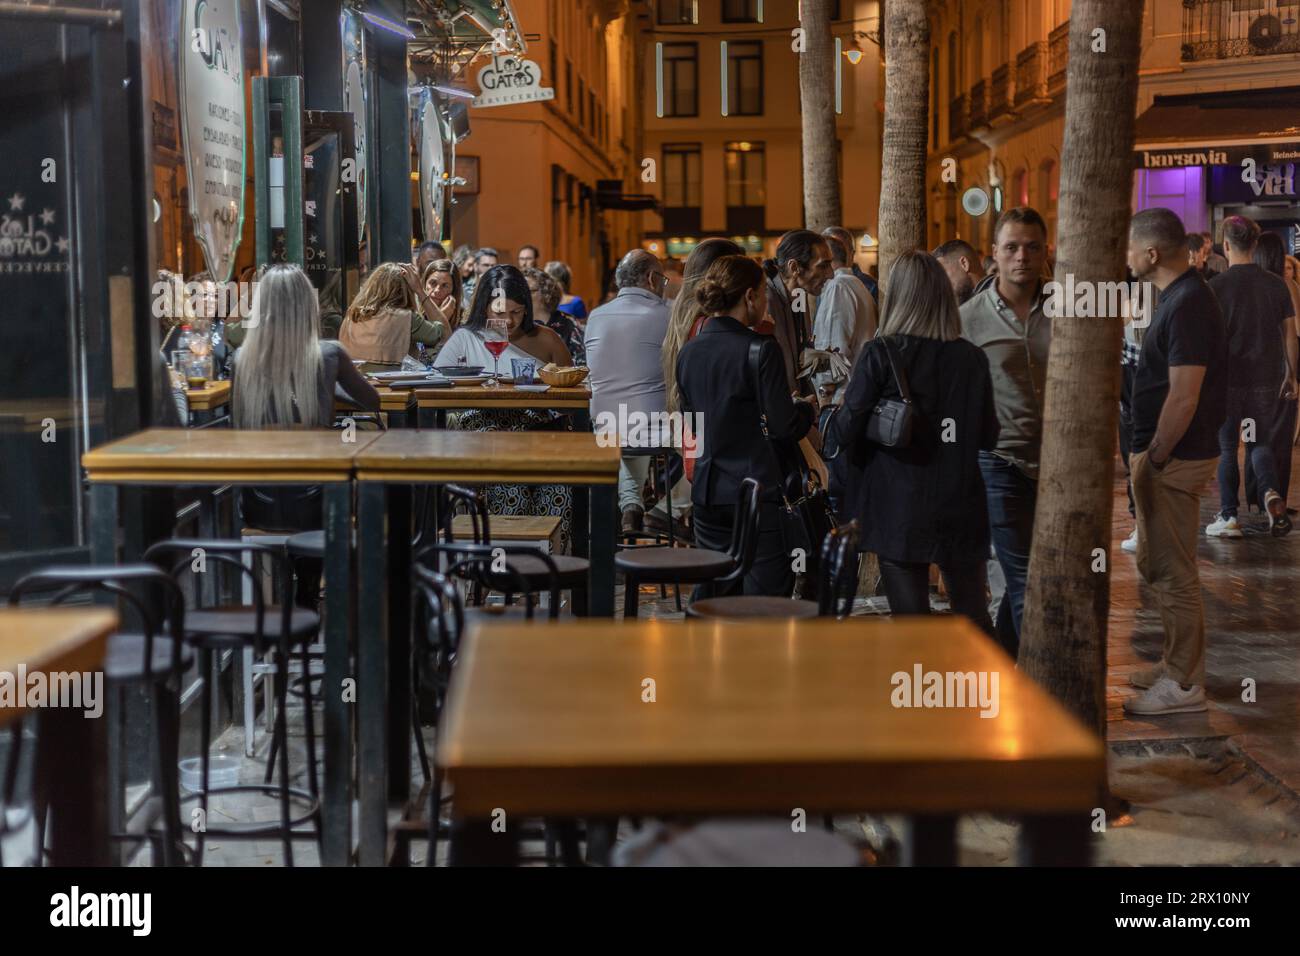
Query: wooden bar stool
{"x": 666, "y": 565}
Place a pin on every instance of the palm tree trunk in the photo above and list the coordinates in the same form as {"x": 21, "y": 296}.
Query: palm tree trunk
{"x": 907, "y": 91}
{"x": 821, "y": 179}
{"x": 1063, "y": 638}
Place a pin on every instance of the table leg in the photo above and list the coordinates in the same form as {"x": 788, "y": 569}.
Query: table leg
{"x": 73, "y": 756}
{"x": 1056, "y": 840}
{"x": 372, "y": 672}
{"x": 103, "y": 524}
{"x": 604, "y": 530}
{"x": 398, "y": 691}
{"x": 336, "y": 809}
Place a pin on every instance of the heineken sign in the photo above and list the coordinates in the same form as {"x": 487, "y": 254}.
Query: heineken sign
{"x": 212, "y": 127}
{"x": 508, "y": 80}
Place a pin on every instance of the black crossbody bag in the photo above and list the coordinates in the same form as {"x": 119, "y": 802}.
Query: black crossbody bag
{"x": 890, "y": 423}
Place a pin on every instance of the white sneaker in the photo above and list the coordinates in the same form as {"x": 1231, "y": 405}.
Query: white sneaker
{"x": 1222, "y": 527}
{"x": 1130, "y": 544}
{"x": 1167, "y": 696}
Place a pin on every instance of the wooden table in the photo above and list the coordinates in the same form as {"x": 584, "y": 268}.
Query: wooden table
{"x": 434, "y": 403}
{"x": 397, "y": 403}
{"x": 385, "y": 471}
{"x": 203, "y": 402}
{"x": 207, "y": 457}
{"x": 546, "y": 720}
{"x": 72, "y": 746}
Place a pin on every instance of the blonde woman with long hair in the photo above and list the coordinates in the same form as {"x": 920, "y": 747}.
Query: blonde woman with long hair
{"x": 923, "y": 503}
{"x": 685, "y": 315}
{"x": 384, "y": 323}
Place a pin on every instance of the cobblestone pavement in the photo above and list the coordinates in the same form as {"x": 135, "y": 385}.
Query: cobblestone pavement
{"x": 1213, "y": 788}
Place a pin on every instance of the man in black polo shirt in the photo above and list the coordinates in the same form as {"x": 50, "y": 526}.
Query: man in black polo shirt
{"x": 1179, "y": 404}
{"x": 1262, "y": 353}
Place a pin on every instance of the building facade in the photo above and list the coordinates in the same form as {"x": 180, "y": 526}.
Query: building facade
{"x": 555, "y": 174}
{"x": 720, "y": 97}
{"x": 998, "y": 84}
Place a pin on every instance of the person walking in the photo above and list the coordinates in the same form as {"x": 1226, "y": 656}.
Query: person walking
{"x": 383, "y": 324}
{"x": 716, "y": 379}
{"x": 923, "y": 503}
{"x": 1261, "y": 370}
{"x": 1006, "y": 320}
{"x": 845, "y": 320}
{"x": 1179, "y": 406}
{"x": 625, "y": 340}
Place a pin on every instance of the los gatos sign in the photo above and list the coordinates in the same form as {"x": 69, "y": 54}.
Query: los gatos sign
{"x": 510, "y": 79}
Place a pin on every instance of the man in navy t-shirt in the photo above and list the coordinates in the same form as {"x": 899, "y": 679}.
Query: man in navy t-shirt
{"x": 1179, "y": 405}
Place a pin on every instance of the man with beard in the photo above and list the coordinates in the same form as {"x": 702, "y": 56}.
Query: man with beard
{"x": 962, "y": 263}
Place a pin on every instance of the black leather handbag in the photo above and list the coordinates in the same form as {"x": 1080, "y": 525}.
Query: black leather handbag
{"x": 890, "y": 423}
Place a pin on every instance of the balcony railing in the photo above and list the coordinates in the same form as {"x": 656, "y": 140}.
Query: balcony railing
{"x": 1214, "y": 30}
{"x": 1000, "y": 92}
{"x": 957, "y": 120}
{"x": 979, "y": 103}
{"x": 1031, "y": 73}
{"x": 1058, "y": 57}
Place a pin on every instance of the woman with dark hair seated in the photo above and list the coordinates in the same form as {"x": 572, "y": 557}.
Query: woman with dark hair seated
{"x": 502, "y": 295}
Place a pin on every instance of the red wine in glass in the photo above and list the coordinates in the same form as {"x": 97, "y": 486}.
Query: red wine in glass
{"x": 496, "y": 348}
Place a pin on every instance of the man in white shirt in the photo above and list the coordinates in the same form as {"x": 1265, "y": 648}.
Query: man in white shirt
{"x": 846, "y": 318}
{"x": 624, "y": 341}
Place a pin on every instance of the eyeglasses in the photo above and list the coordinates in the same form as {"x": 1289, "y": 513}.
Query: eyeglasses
{"x": 660, "y": 278}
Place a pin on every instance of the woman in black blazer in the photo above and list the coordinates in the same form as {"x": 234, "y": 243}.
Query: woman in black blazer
{"x": 923, "y": 504}
{"x": 716, "y": 381}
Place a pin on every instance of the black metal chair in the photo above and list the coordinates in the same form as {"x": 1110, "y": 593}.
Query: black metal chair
{"x": 214, "y": 629}
{"x": 153, "y": 659}
{"x": 838, "y": 588}
{"x": 532, "y": 568}
{"x": 665, "y": 565}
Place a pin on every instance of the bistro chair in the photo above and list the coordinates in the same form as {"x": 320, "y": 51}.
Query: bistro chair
{"x": 531, "y": 567}
{"x": 154, "y": 659}
{"x": 284, "y": 627}
{"x": 667, "y": 565}
{"x": 838, "y": 587}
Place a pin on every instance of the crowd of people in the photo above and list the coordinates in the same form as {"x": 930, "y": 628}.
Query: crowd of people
{"x": 789, "y": 364}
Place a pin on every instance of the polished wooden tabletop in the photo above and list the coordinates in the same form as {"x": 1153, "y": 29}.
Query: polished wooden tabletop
{"x": 503, "y": 396}
{"x": 526, "y": 457}
{"x": 210, "y": 396}
{"x": 553, "y": 718}
{"x": 390, "y": 400}
{"x": 227, "y": 454}
{"x": 46, "y": 640}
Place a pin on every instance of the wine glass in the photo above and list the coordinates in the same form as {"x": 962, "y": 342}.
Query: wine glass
{"x": 496, "y": 336}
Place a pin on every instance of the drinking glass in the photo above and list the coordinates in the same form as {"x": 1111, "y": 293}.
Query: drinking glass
{"x": 496, "y": 336}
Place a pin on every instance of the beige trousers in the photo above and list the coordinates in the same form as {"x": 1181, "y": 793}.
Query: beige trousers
{"x": 1168, "y": 517}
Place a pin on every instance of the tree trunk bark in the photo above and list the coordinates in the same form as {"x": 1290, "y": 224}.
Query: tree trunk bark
{"x": 907, "y": 91}
{"x": 1063, "y": 638}
{"x": 821, "y": 178}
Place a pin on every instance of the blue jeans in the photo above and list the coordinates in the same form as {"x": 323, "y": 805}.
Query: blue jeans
{"x": 1012, "y": 496}
{"x": 1260, "y": 404}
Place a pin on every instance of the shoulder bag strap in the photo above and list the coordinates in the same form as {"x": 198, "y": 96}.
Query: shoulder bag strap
{"x": 899, "y": 378}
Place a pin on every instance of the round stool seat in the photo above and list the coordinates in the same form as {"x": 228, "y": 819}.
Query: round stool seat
{"x": 124, "y": 658}
{"x": 228, "y": 627}
{"x": 655, "y": 565}
{"x": 740, "y": 607}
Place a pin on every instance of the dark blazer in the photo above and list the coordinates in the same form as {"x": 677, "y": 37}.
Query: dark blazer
{"x": 925, "y": 502}
{"x": 715, "y": 381}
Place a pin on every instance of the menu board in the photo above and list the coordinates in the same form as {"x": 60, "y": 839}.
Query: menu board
{"x": 212, "y": 127}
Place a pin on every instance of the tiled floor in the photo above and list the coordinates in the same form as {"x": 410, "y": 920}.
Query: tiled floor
{"x": 1219, "y": 787}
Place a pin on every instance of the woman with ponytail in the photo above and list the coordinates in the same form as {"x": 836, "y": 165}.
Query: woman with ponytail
{"x": 684, "y": 322}
{"x": 717, "y": 385}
